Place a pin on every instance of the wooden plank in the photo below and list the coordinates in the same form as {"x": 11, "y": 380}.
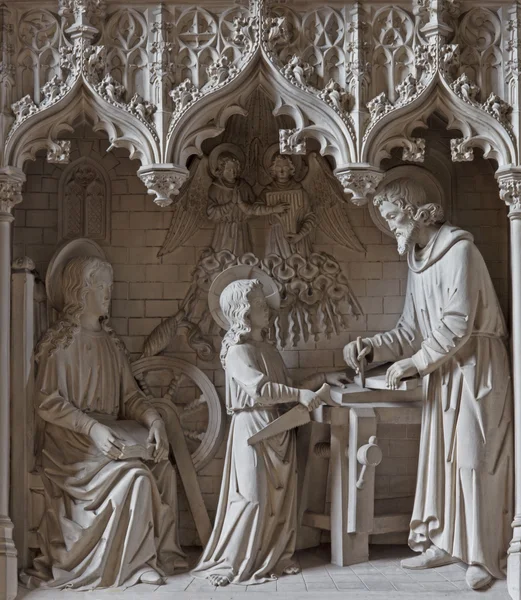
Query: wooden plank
{"x": 392, "y": 523}
{"x": 186, "y": 469}
{"x": 317, "y": 520}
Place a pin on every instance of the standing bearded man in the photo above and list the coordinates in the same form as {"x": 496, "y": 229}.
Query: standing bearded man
{"x": 452, "y": 333}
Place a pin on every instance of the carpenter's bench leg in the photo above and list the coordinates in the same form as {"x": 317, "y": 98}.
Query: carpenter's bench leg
{"x": 352, "y": 510}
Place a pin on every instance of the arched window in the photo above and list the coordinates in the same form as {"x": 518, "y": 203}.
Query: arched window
{"x": 84, "y": 201}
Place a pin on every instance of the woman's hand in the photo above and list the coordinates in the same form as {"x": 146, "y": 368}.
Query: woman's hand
{"x": 398, "y": 371}
{"x": 337, "y": 379}
{"x": 106, "y": 441}
{"x": 157, "y": 436}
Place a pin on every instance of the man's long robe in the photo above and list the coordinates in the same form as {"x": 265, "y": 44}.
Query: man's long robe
{"x": 453, "y": 329}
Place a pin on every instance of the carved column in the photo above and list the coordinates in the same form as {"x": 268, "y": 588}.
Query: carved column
{"x": 11, "y": 180}
{"x": 510, "y": 192}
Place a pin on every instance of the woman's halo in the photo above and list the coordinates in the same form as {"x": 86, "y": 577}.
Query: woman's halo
{"x": 66, "y": 252}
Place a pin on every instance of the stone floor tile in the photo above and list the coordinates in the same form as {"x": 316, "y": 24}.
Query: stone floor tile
{"x": 313, "y": 586}
{"x": 426, "y": 575}
{"x": 308, "y": 577}
{"x": 291, "y": 587}
{"x": 435, "y": 586}
{"x": 350, "y": 585}
{"x": 270, "y": 586}
{"x": 379, "y": 586}
{"x": 364, "y": 569}
{"x": 408, "y": 587}
{"x": 345, "y": 577}
{"x": 200, "y": 585}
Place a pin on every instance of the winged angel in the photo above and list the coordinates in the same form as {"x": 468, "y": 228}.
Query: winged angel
{"x": 316, "y": 294}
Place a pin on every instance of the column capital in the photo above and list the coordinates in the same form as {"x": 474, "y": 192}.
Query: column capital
{"x": 11, "y": 181}
{"x": 509, "y": 182}
{"x": 163, "y": 181}
{"x": 361, "y": 181}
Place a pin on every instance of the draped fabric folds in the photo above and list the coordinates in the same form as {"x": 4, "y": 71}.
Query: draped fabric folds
{"x": 254, "y": 534}
{"x": 106, "y": 522}
{"x": 453, "y": 329}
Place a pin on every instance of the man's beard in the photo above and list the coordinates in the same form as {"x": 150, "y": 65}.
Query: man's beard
{"x": 406, "y": 238}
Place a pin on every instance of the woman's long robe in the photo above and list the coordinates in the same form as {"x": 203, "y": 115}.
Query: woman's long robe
{"x": 106, "y": 521}
{"x": 255, "y": 528}
{"x": 453, "y": 329}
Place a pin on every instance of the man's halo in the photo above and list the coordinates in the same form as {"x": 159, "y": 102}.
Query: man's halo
{"x": 428, "y": 181}
{"x": 66, "y": 252}
{"x": 269, "y": 287}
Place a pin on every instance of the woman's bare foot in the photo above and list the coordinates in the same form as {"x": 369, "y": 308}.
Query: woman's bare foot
{"x": 219, "y": 580}
{"x": 292, "y": 569}
{"x": 152, "y": 577}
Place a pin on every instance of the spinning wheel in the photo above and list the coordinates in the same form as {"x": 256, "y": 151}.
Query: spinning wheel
{"x": 178, "y": 389}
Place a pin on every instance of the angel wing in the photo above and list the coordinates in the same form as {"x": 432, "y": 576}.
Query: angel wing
{"x": 190, "y": 208}
{"x": 328, "y": 204}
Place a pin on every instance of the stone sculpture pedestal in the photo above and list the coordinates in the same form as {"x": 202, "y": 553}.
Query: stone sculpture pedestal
{"x": 347, "y": 436}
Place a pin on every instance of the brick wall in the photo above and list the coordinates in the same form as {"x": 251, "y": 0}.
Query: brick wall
{"x": 148, "y": 289}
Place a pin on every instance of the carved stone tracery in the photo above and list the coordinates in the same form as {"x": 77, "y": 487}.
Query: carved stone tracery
{"x": 84, "y": 201}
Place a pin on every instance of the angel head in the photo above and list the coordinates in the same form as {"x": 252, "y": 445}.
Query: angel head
{"x": 244, "y": 306}
{"x": 228, "y": 168}
{"x": 87, "y": 288}
{"x": 282, "y": 168}
{"x": 403, "y": 204}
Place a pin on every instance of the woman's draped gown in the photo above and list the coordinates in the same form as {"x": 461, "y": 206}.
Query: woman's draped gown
{"x": 106, "y": 521}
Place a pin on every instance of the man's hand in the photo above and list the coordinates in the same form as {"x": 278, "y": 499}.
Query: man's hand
{"x": 398, "y": 371}
{"x": 353, "y": 357}
{"x": 157, "y": 435}
{"x": 337, "y": 379}
{"x": 106, "y": 441}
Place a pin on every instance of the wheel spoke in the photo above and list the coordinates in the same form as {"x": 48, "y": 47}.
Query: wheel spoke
{"x": 194, "y": 434}
{"x": 171, "y": 393}
{"x": 144, "y": 385}
{"x": 193, "y": 406}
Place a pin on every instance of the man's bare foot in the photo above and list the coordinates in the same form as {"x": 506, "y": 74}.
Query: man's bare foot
{"x": 219, "y": 580}
{"x": 292, "y": 569}
{"x": 152, "y": 577}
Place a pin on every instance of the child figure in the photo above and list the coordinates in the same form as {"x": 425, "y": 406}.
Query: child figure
{"x": 255, "y": 528}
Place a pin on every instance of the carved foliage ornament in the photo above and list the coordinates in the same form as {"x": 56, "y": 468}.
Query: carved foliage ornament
{"x": 510, "y": 192}
{"x": 59, "y": 152}
{"x": 163, "y": 183}
{"x": 360, "y": 184}
{"x": 10, "y": 195}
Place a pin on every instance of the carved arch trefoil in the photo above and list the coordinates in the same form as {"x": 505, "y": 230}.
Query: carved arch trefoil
{"x": 479, "y": 128}
{"x": 41, "y": 129}
{"x": 84, "y": 201}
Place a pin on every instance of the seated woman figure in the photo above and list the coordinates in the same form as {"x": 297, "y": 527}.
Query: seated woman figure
{"x": 107, "y": 522}
{"x": 255, "y": 528}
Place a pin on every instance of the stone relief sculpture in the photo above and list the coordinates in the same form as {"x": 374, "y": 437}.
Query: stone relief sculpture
{"x": 316, "y": 294}
{"x": 451, "y": 332}
{"x": 231, "y": 202}
{"x": 254, "y": 533}
{"x": 110, "y": 490}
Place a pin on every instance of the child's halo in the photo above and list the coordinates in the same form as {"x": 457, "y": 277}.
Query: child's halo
{"x": 269, "y": 287}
